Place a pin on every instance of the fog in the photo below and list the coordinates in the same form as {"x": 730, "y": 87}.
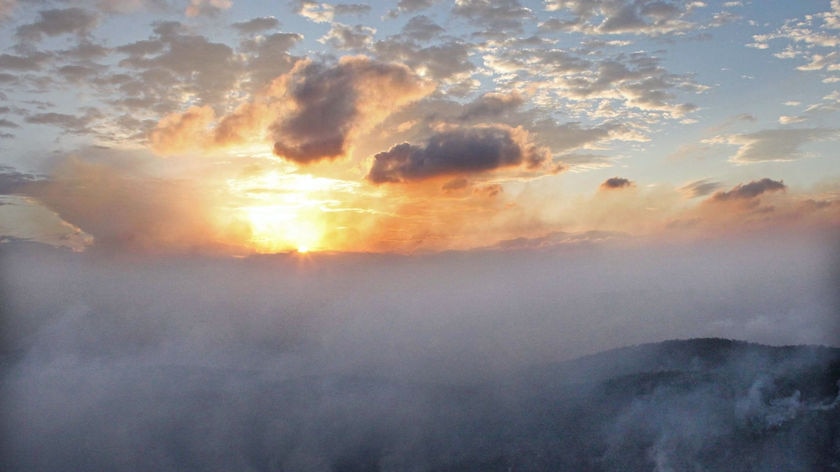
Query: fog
{"x": 428, "y": 362}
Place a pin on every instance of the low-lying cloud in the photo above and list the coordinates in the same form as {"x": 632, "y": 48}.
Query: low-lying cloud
{"x": 365, "y": 362}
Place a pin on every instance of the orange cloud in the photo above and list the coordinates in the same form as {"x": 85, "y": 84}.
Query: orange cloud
{"x": 331, "y": 105}
{"x": 181, "y": 132}
{"x": 314, "y": 112}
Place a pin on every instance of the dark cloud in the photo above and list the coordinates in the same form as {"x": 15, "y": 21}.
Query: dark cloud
{"x": 4, "y": 123}
{"x": 700, "y": 188}
{"x": 58, "y": 21}
{"x": 331, "y": 101}
{"x": 421, "y": 28}
{"x": 615, "y": 183}
{"x": 461, "y": 151}
{"x": 13, "y": 181}
{"x": 455, "y": 184}
{"x": 750, "y": 190}
{"x": 256, "y": 25}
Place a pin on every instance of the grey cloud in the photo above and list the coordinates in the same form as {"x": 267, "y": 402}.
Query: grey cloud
{"x": 29, "y": 62}
{"x": 189, "y": 63}
{"x": 750, "y": 190}
{"x": 351, "y": 9}
{"x": 700, "y": 188}
{"x": 58, "y": 21}
{"x": 492, "y": 105}
{"x": 461, "y": 151}
{"x": 616, "y": 183}
{"x": 77, "y": 73}
{"x": 495, "y": 17}
{"x": 421, "y": 28}
{"x": 269, "y": 57}
{"x": 407, "y": 6}
{"x": 67, "y": 122}
{"x": 86, "y": 51}
{"x": 442, "y": 61}
{"x": 4, "y": 123}
{"x": 256, "y": 25}
{"x": 651, "y": 17}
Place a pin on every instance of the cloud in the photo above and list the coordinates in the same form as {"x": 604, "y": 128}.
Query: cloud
{"x": 408, "y": 6}
{"x": 331, "y": 103}
{"x": 13, "y": 181}
{"x": 648, "y": 17}
{"x": 314, "y": 11}
{"x": 443, "y": 61}
{"x": 773, "y": 144}
{"x": 127, "y": 209}
{"x": 598, "y": 86}
{"x": 421, "y": 28}
{"x": 700, "y": 188}
{"x": 454, "y": 152}
{"x": 4, "y": 123}
{"x": 29, "y": 62}
{"x": 180, "y": 132}
{"x": 750, "y": 190}
{"x": 57, "y": 22}
{"x": 345, "y": 37}
{"x": 812, "y": 40}
{"x": 357, "y": 9}
{"x": 256, "y": 25}
{"x": 7, "y": 8}
{"x": 616, "y": 183}
{"x": 496, "y": 17}
{"x": 69, "y": 123}
{"x": 207, "y": 7}
{"x": 173, "y": 63}
{"x": 492, "y": 105}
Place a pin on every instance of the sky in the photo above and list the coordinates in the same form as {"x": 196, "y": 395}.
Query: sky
{"x": 207, "y": 200}
{"x": 418, "y": 126}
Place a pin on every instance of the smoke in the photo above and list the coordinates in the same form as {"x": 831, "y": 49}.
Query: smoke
{"x": 456, "y": 361}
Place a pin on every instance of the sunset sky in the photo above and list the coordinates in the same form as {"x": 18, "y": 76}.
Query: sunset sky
{"x": 240, "y": 127}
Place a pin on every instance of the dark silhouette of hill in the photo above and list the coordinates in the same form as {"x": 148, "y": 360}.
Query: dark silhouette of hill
{"x": 688, "y": 405}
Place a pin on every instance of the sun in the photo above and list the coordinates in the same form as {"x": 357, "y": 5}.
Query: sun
{"x": 279, "y": 227}
{"x": 286, "y": 210}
